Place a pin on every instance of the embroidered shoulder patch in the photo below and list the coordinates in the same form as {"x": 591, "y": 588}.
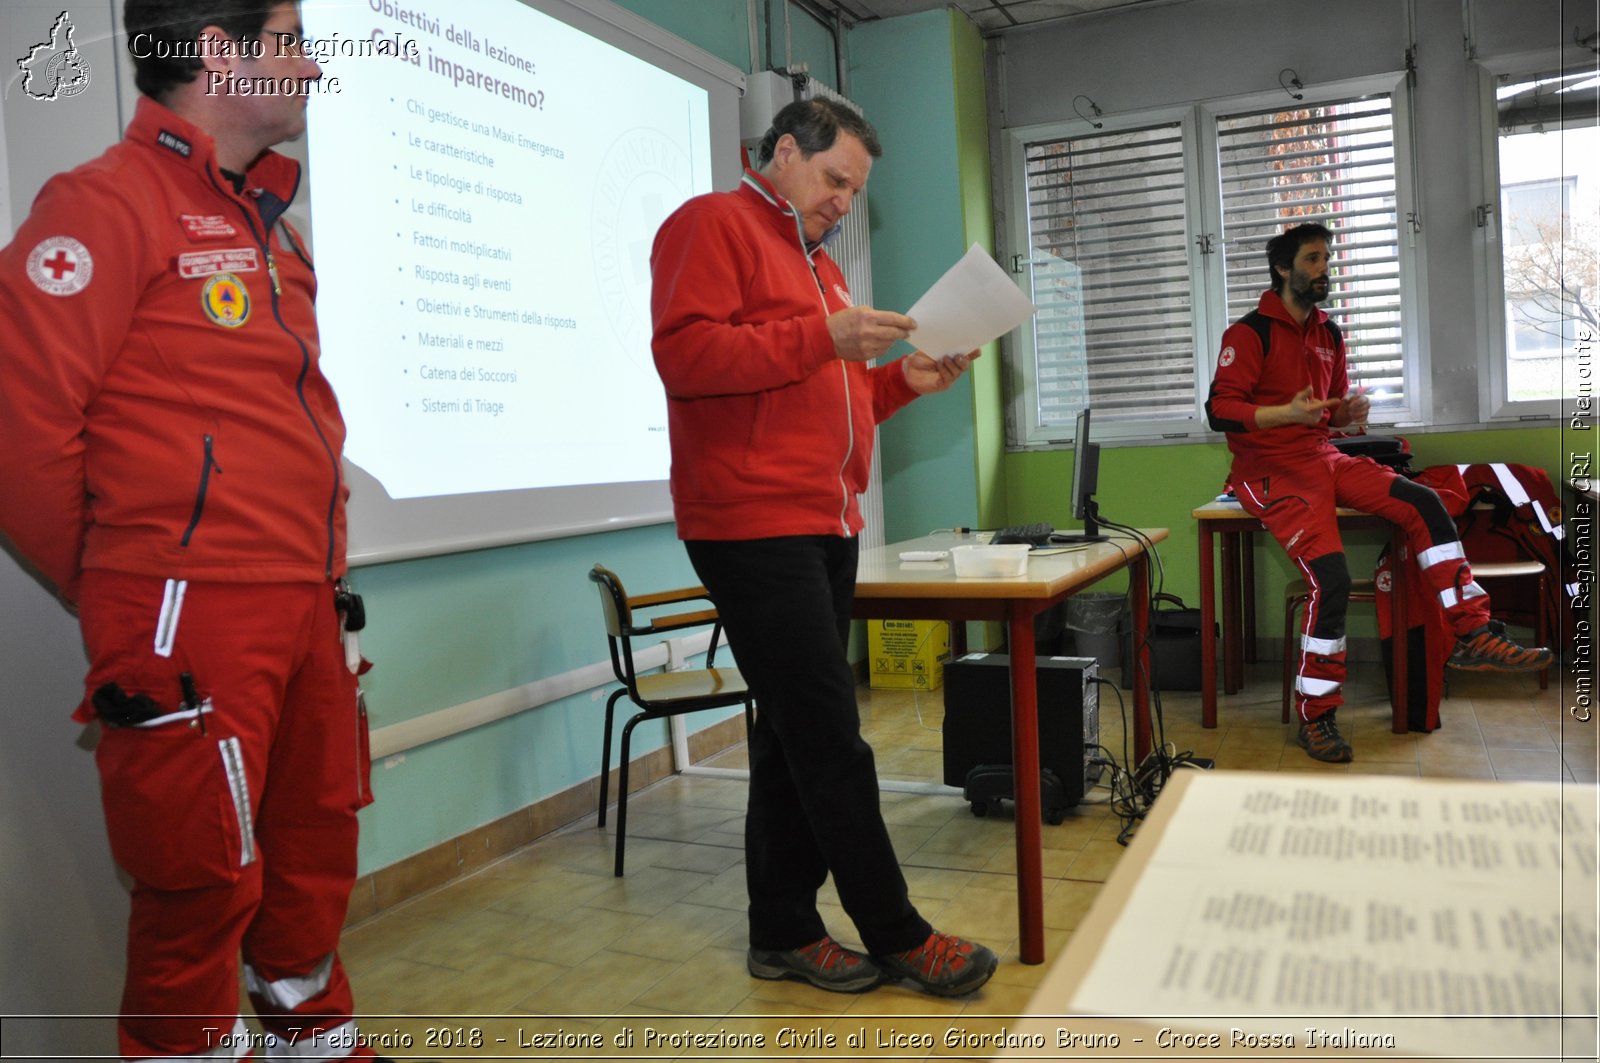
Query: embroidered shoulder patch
{"x": 60, "y": 265}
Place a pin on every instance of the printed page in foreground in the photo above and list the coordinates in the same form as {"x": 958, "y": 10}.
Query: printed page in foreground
{"x": 1413, "y": 916}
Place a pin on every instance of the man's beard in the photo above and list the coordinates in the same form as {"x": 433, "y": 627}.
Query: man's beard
{"x": 1308, "y": 291}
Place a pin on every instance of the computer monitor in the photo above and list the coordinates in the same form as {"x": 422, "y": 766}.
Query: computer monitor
{"x": 1085, "y": 474}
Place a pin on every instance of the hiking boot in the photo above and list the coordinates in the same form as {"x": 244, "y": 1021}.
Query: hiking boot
{"x": 1486, "y": 649}
{"x": 943, "y": 965}
{"x": 1321, "y": 739}
{"x": 826, "y": 964}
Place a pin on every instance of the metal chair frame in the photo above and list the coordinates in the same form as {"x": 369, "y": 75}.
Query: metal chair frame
{"x": 658, "y": 695}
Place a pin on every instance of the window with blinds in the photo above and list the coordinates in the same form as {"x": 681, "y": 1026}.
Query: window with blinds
{"x": 1108, "y": 233}
{"x": 1333, "y": 163}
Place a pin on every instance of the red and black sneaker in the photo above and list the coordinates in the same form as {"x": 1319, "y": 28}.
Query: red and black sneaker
{"x": 1321, "y": 739}
{"x": 943, "y": 965}
{"x": 826, "y": 964}
{"x": 1487, "y": 649}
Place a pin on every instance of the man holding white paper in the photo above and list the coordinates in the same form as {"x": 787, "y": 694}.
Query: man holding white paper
{"x": 771, "y": 410}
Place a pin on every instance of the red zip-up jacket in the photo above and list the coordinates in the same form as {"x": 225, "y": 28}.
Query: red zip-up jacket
{"x": 1248, "y": 377}
{"x": 162, "y": 411}
{"x": 771, "y": 432}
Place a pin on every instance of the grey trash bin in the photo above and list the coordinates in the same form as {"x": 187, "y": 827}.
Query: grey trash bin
{"x": 1097, "y": 621}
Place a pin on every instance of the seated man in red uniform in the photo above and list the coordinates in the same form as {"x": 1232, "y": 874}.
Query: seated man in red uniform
{"x": 1281, "y": 384}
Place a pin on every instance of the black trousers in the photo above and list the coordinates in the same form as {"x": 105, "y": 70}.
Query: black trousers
{"x": 785, "y": 604}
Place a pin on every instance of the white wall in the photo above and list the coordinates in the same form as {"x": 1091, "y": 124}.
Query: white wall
{"x": 63, "y": 915}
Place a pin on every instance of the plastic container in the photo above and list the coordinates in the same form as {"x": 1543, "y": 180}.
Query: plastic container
{"x": 991, "y": 561}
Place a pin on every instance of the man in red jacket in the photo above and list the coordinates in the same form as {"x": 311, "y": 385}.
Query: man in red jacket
{"x": 172, "y": 471}
{"x": 1281, "y": 384}
{"x": 771, "y": 409}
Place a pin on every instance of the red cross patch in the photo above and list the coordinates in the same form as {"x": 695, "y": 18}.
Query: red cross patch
{"x": 60, "y": 265}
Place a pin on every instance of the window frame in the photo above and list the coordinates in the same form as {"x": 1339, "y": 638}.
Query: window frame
{"x": 1494, "y": 368}
{"x": 1203, "y": 208}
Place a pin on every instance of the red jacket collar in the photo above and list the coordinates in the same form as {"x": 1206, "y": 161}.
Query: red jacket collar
{"x": 764, "y": 189}
{"x": 186, "y": 144}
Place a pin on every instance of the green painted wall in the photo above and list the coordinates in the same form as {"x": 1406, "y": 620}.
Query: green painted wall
{"x": 904, "y": 73}
{"x": 977, "y": 219}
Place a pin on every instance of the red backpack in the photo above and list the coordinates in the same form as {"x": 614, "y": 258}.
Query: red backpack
{"x": 1503, "y": 512}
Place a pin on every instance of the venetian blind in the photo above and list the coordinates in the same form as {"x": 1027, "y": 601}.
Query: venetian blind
{"x": 1333, "y": 163}
{"x": 1107, "y": 219}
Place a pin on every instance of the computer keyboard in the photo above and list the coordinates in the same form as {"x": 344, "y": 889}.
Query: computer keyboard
{"x": 1032, "y": 534}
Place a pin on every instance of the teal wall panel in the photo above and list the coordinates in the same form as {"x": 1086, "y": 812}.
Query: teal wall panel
{"x": 902, "y": 72}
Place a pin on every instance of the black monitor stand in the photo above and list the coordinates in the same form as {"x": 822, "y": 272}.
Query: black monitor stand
{"x": 1091, "y": 529}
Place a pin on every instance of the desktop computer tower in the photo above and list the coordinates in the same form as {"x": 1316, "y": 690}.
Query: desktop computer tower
{"x": 977, "y": 729}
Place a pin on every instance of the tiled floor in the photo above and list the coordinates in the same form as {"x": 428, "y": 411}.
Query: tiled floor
{"x": 548, "y": 940}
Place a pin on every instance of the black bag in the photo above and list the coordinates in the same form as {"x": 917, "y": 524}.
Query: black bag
{"x": 1174, "y": 647}
{"x": 1392, "y": 451}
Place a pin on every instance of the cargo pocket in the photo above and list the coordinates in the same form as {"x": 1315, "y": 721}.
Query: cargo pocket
{"x": 177, "y": 805}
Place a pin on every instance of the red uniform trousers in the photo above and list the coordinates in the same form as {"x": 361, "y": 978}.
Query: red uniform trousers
{"x": 1296, "y": 503}
{"x": 237, "y": 823}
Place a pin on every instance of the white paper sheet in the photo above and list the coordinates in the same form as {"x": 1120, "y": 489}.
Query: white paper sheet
{"x": 1326, "y": 906}
{"x": 973, "y": 303}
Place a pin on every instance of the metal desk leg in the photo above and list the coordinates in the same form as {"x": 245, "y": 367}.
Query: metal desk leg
{"x": 1400, "y": 696}
{"x": 1139, "y": 591}
{"x": 1026, "y": 781}
{"x": 1247, "y": 564}
{"x": 1208, "y": 626}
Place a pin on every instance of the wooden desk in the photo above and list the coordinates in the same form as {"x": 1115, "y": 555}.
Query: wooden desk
{"x": 1234, "y": 530}
{"x": 890, "y": 589}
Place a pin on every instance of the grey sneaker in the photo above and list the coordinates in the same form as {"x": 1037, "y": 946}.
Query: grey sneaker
{"x": 826, "y": 964}
{"x": 943, "y": 965}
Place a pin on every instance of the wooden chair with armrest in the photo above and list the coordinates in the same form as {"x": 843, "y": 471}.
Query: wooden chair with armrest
{"x": 658, "y": 695}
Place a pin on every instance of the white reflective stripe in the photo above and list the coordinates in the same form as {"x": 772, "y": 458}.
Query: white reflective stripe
{"x": 1322, "y": 646}
{"x": 1446, "y": 552}
{"x": 324, "y": 1047}
{"x": 1448, "y": 597}
{"x": 239, "y": 786}
{"x": 1519, "y": 495}
{"x": 1315, "y": 688}
{"x": 1509, "y": 484}
{"x": 1559, "y": 531}
{"x": 289, "y": 993}
{"x": 1573, "y": 589}
{"x": 181, "y": 714}
{"x": 167, "y": 622}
